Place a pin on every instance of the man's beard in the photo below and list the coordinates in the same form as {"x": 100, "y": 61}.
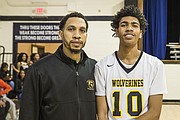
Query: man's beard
{"x": 74, "y": 51}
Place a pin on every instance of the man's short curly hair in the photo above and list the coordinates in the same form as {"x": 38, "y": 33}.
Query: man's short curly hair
{"x": 73, "y": 14}
{"x": 130, "y": 10}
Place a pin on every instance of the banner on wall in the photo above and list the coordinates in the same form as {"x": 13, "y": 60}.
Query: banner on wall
{"x": 36, "y": 32}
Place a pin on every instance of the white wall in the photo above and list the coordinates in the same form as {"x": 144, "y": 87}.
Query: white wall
{"x": 100, "y": 42}
{"x": 6, "y": 36}
{"x": 60, "y": 7}
{"x": 173, "y": 81}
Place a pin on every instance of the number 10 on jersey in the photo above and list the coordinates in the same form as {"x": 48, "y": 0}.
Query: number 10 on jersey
{"x": 133, "y": 104}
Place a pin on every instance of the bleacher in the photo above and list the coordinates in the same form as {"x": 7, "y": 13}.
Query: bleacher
{"x": 174, "y": 50}
{"x": 8, "y": 58}
{"x": 5, "y": 56}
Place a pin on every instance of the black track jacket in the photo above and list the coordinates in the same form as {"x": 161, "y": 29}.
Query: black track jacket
{"x": 56, "y": 88}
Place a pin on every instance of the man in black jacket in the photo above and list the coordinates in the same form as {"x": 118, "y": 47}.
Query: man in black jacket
{"x": 61, "y": 86}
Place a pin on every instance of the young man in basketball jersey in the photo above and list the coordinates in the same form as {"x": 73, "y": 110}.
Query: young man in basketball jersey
{"x": 129, "y": 83}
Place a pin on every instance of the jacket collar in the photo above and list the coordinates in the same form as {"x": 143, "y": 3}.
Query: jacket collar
{"x": 60, "y": 54}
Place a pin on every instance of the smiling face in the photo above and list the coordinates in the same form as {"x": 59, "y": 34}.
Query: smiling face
{"x": 74, "y": 35}
{"x": 24, "y": 57}
{"x": 129, "y": 31}
{"x": 36, "y": 57}
{"x": 22, "y": 74}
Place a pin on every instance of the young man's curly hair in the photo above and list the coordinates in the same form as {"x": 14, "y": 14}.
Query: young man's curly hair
{"x": 130, "y": 10}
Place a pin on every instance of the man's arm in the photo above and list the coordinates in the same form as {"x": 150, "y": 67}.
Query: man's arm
{"x": 102, "y": 108}
{"x": 154, "y": 111}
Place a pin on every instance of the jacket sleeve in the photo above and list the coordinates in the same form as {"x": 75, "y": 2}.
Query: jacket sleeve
{"x": 4, "y": 87}
{"x": 30, "y": 101}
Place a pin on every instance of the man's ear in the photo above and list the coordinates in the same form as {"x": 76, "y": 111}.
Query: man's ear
{"x": 60, "y": 34}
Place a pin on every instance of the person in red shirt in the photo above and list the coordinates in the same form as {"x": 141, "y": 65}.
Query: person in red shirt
{"x": 4, "y": 87}
{"x": 4, "y": 105}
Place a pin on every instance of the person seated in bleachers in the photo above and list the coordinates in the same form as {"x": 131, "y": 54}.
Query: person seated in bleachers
{"x": 19, "y": 83}
{"x": 5, "y": 75}
{"x": 4, "y": 107}
{"x": 6, "y": 104}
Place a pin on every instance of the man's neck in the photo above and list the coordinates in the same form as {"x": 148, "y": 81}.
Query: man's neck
{"x": 73, "y": 56}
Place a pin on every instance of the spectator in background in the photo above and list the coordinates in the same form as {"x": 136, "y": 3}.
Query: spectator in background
{"x": 5, "y": 75}
{"x": 4, "y": 88}
{"x": 19, "y": 83}
{"x": 22, "y": 62}
{"x": 6, "y": 104}
{"x": 4, "y": 107}
{"x": 34, "y": 58}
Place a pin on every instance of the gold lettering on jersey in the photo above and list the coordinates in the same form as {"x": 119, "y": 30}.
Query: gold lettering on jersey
{"x": 90, "y": 84}
{"x": 127, "y": 83}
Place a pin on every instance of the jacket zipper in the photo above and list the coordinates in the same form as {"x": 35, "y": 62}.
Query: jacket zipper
{"x": 77, "y": 82}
